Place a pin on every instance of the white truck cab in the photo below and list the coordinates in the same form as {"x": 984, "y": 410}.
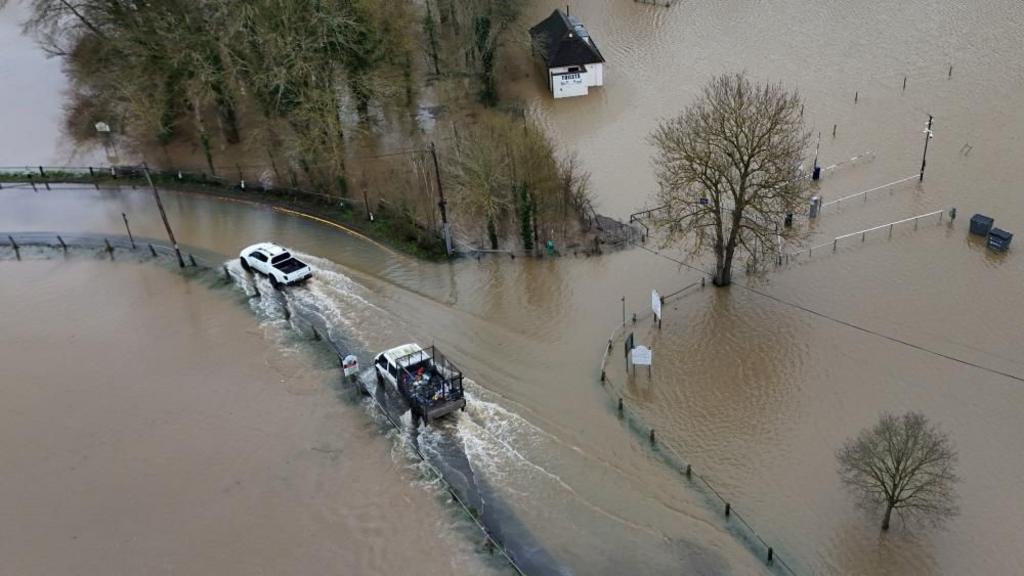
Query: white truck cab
{"x": 275, "y": 262}
{"x": 389, "y": 362}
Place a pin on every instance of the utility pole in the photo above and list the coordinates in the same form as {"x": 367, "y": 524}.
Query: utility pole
{"x": 623, "y": 310}
{"x": 445, "y": 228}
{"x": 927, "y": 136}
{"x": 817, "y": 147}
{"x": 167, "y": 225}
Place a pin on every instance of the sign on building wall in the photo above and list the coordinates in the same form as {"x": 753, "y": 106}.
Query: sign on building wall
{"x": 568, "y": 84}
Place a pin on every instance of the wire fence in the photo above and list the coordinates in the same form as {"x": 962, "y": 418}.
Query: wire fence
{"x": 43, "y": 176}
{"x": 672, "y": 457}
{"x": 398, "y": 198}
{"x": 111, "y": 245}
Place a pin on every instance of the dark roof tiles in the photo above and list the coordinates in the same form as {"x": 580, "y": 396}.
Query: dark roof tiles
{"x": 564, "y": 41}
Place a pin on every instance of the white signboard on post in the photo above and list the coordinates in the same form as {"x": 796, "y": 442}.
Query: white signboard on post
{"x": 656, "y": 304}
{"x": 642, "y": 356}
{"x": 350, "y": 365}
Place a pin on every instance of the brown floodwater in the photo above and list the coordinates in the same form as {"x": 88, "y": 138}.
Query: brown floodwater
{"x": 757, "y": 394}
{"x": 150, "y": 424}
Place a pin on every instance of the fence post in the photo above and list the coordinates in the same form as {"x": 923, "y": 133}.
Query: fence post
{"x": 728, "y": 509}
{"x": 126, "y": 227}
{"x": 152, "y": 250}
{"x": 771, "y": 556}
{"x": 110, "y": 249}
{"x": 192, "y": 260}
{"x": 163, "y": 215}
{"x": 41, "y": 172}
{"x": 17, "y": 251}
{"x": 63, "y": 246}
{"x": 835, "y": 244}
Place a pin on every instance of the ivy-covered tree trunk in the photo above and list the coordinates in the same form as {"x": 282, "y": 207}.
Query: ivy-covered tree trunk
{"x": 492, "y": 232}
{"x": 485, "y": 48}
{"x": 431, "y": 29}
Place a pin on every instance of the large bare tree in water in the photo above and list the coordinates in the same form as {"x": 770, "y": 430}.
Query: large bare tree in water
{"x": 902, "y": 464}
{"x": 728, "y": 170}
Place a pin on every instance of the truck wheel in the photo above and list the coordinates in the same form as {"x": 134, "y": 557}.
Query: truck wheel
{"x": 245, "y": 265}
{"x": 275, "y": 283}
{"x": 380, "y": 379}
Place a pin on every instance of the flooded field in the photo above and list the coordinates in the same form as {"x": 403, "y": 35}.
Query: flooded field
{"x": 756, "y": 388}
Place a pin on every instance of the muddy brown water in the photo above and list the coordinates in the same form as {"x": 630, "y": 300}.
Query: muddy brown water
{"x": 152, "y": 425}
{"x": 757, "y": 394}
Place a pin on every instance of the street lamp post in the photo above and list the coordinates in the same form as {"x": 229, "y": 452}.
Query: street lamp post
{"x": 928, "y": 135}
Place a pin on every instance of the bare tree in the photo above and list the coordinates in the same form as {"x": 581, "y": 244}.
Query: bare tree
{"x": 728, "y": 170}
{"x": 902, "y": 464}
{"x": 479, "y": 178}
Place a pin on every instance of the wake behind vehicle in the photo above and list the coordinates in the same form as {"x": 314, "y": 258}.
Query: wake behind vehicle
{"x": 276, "y": 263}
{"x": 429, "y": 382}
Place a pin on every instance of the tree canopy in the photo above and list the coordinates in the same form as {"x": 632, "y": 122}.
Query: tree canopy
{"x": 728, "y": 170}
{"x": 903, "y": 464}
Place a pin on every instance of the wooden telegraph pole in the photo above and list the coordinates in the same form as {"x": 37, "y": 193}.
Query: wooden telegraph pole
{"x": 167, "y": 225}
{"x": 446, "y": 230}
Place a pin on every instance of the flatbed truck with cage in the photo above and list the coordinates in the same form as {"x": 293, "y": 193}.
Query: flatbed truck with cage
{"x": 429, "y": 382}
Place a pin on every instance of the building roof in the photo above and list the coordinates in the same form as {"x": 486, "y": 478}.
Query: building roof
{"x": 564, "y": 41}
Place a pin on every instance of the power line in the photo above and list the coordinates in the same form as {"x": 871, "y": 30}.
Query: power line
{"x": 846, "y": 323}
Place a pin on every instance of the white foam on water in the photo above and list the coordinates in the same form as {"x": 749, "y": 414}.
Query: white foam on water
{"x": 496, "y": 441}
{"x": 493, "y": 440}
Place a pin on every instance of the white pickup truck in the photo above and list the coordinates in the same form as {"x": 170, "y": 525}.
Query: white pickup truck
{"x": 276, "y": 263}
{"x": 429, "y": 382}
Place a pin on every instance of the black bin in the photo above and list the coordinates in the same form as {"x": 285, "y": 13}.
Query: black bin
{"x": 981, "y": 224}
{"x": 999, "y": 239}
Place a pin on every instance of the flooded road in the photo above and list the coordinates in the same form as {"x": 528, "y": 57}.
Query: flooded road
{"x": 757, "y": 393}
{"x": 151, "y": 425}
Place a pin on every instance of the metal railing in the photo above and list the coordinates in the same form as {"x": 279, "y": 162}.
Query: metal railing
{"x": 834, "y": 243}
{"x": 44, "y": 176}
{"x": 865, "y": 193}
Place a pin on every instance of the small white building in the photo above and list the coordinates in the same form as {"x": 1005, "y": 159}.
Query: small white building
{"x": 569, "y": 54}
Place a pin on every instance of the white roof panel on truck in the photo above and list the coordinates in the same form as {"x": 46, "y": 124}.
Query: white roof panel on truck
{"x": 401, "y": 351}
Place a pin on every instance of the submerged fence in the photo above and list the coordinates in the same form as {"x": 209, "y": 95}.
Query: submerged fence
{"x": 735, "y": 521}
{"x": 109, "y": 245}
{"x": 402, "y": 193}
{"x": 784, "y": 258}
{"x": 864, "y": 193}
{"x": 36, "y": 177}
